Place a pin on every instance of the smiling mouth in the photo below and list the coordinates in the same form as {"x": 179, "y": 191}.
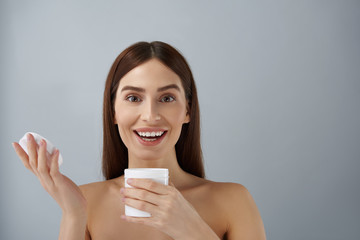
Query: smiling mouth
{"x": 150, "y": 136}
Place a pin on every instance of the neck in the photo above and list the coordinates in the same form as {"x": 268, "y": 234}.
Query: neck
{"x": 169, "y": 161}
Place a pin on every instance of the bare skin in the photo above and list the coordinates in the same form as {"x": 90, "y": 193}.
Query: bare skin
{"x": 150, "y": 98}
{"x": 94, "y": 210}
{"x": 217, "y": 204}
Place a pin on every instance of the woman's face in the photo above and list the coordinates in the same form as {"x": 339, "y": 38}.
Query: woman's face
{"x": 150, "y": 109}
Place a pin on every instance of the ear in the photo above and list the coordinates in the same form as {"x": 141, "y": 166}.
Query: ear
{"x": 187, "y": 117}
{"x": 115, "y": 122}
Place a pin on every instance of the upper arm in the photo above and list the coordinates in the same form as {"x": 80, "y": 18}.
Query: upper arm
{"x": 85, "y": 191}
{"x": 244, "y": 220}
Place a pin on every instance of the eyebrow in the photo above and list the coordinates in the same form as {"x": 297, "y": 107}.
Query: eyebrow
{"x": 138, "y": 89}
{"x": 171, "y": 86}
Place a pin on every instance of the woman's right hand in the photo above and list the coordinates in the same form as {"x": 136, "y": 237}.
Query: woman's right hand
{"x": 46, "y": 168}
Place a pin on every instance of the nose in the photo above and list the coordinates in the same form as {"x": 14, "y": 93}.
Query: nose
{"x": 149, "y": 112}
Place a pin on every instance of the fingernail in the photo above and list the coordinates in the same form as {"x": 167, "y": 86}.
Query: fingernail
{"x": 129, "y": 180}
{"x": 13, "y": 144}
{"x": 122, "y": 190}
{"x": 28, "y": 137}
{"x": 41, "y": 142}
{"x": 123, "y": 199}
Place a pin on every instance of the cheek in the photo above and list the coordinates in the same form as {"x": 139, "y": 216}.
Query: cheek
{"x": 123, "y": 114}
{"x": 124, "y": 121}
{"x": 177, "y": 116}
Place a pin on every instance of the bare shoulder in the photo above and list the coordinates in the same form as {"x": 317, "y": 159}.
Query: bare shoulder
{"x": 93, "y": 190}
{"x": 228, "y": 188}
{"x": 221, "y": 190}
{"x": 227, "y": 191}
{"x": 225, "y": 194}
{"x": 236, "y": 198}
{"x": 242, "y": 215}
{"x": 94, "y": 194}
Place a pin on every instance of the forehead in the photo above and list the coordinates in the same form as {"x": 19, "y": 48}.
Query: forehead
{"x": 152, "y": 73}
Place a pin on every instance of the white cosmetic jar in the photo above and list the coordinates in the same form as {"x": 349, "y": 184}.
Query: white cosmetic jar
{"x": 160, "y": 175}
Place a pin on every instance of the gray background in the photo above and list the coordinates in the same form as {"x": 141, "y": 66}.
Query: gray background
{"x": 279, "y": 89}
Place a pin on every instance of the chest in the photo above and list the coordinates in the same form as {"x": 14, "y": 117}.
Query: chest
{"x": 105, "y": 223}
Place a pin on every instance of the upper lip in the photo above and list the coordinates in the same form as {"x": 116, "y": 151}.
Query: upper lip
{"x": 150, "y": 129}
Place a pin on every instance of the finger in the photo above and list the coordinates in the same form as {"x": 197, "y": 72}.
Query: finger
{"x": 142, "y": 220}
{"x": 43, "y": 169}
{"x": 48, "y": 159}
{"x": 22, "y": 155}
{"x": 142, "y": 194}
{"x": 54, "y": 165}
{"x": 141, "y": 205}
{"x": 32, "y": 152}
{"x": 149, "y": 185}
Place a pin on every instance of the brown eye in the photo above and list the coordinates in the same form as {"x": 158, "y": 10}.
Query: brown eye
{"x": 167, "y": 99}
{"x": 132, "y": 98}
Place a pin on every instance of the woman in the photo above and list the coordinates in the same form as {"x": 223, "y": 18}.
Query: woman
{"x": 151, "y": 120}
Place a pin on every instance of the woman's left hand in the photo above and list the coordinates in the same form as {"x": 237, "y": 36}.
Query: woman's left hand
{"x": 170, "y": 212}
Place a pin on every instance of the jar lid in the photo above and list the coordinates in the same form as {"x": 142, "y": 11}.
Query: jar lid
{"x": 146, "y": 173}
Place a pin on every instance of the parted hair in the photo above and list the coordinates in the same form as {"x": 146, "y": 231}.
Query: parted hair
{"x": 188, "y": 147}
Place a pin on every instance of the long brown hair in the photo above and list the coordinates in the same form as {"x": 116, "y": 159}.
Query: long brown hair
{"x": 188, "y": 148}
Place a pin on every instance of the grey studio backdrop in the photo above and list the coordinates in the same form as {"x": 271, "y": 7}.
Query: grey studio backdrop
{"x": 279, "y": 90}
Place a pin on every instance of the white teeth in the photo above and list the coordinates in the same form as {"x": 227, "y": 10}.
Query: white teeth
{"x": 150, "y": 134}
